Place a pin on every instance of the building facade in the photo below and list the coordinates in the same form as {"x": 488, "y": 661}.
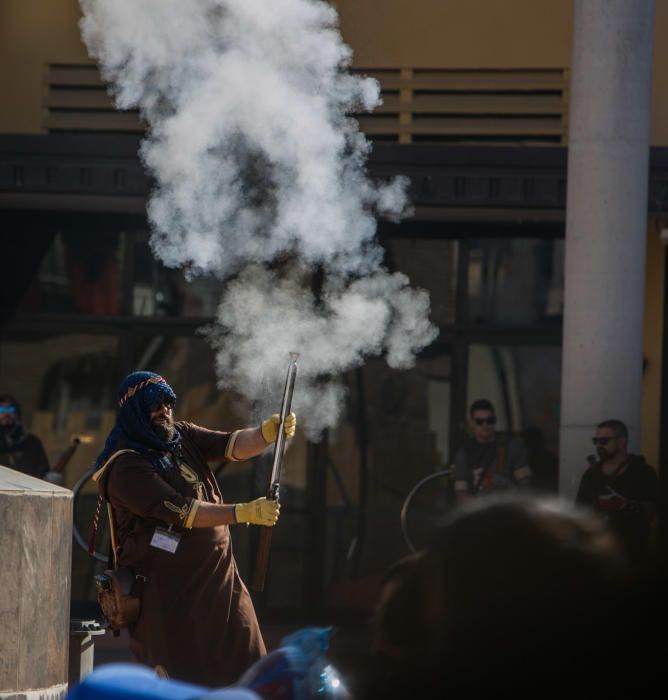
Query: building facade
{"x": 475, "y": 113}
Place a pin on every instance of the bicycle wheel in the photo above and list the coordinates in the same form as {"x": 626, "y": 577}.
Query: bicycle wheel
{"x": 426, "y": 508}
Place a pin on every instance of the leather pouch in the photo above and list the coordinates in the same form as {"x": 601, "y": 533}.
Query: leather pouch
{"x": 120, "y": 606}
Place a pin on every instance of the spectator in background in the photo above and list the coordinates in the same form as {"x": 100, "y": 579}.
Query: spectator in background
{"x": 19, "y": 449}
{"x": 489, "y": 461}
{"x": 621, "y": 487}
{"x": 514, "y": 597}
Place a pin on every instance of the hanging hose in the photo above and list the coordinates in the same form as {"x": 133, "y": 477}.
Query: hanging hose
{"x": 427, "y": 507}
{"x": 75, "y": 530}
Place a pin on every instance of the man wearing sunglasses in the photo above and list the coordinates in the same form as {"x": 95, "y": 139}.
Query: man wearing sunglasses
{"x": 19, "y": 449}
{"x": 621, "y": 487}
{"x": 196, "y": 622}
{"x": 489, "y": 461}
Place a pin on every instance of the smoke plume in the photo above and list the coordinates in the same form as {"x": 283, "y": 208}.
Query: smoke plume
{"x": 260, "y": 178}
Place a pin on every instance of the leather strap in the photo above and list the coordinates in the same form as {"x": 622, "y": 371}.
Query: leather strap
{"x": 110, "y": 512}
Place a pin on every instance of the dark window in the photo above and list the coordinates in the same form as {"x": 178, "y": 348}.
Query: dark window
{"x": 515, "y": 281}
{"x": 523, "y": 383}
{"x": 160, "y": 291}
{"x": 432, "y": 265}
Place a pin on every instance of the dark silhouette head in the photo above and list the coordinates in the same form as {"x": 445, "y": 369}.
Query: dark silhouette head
{"x": 511, "y": 595}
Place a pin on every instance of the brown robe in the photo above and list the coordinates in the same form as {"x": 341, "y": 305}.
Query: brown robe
{"x": 197, "y": 619}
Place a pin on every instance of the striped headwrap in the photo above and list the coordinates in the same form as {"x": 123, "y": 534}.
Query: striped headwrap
{"x": 133, "y": 429}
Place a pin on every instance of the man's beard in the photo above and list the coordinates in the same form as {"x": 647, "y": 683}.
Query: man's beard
{"x": 604, "y": 455}
{"x": 163, "y": 428}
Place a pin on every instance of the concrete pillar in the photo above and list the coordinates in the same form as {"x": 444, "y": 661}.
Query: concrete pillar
{"x": 35, "y": 557}
{"x": 606, "y": 219}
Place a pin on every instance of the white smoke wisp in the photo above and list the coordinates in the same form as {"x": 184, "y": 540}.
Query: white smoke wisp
{"x": 267, "y": 316}
{"x": 255, "y": 160}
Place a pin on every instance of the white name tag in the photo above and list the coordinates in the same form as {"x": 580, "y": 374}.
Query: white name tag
{"x": 166, "y": 540}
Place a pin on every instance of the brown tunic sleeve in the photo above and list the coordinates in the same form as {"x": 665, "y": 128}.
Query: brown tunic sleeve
{"x": 212, "y": 444}
{"x": 134, "y": 484}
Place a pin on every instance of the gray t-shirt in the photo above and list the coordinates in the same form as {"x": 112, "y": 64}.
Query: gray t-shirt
{"x": 491, "y": 466}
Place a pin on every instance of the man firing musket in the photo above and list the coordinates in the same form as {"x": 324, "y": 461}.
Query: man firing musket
{"x": 171, "y": 528}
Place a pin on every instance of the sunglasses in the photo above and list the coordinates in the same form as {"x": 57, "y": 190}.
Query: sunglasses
{"x": 167, "y": 403}
{"x": 602, "y": 440}
{"x": 481, "y": 421}
{"x": 7, "y": 409}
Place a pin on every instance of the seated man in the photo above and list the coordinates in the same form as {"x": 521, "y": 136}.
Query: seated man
{"x": 621, "y": 487}
{"x": 19, "y": 449}
{"x": 489, "y": 461}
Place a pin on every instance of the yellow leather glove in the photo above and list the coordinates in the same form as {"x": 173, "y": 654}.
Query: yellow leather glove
{"x": 261, "y": 511}
{"x": 270, "y": 427}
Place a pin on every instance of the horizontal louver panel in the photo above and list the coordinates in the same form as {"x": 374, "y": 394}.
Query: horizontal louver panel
{"x": 469, "y": 105}
{"x": 467, "y": 125}
{"x": 77, "y": 100}
{"x": 421, "y": 105}
{"x": 95, "y": 121}
{"x": 77, "y": 75}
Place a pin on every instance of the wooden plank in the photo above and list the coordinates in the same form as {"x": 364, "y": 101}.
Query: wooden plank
{"x": 548, "y": 127}
{"x": 518, "y": 81}
{"x": 79, "y": 99}
{"x": 474, "y": 86}
{"x": 379, "y": 125}
{"x": 379, "y": 74}
{"x": 449, "y": 103}
{"x": 82, "y": 75}
{"x": 491, "y": 73}
{"x": 472, "y": 127}
{"x": 93, "y": 121}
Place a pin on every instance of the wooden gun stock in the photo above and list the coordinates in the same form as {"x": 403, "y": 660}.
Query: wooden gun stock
{"x": 262, "y": 559}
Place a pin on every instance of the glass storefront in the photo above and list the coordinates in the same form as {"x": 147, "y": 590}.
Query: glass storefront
{"x": 496, "y": 300}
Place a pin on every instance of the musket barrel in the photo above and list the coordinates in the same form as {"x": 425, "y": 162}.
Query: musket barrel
{"x": 262, "y": 558}
{"x": 286, "y": 404}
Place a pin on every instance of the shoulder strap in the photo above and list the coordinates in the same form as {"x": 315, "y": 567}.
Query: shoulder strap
{"x": 98, "y": 474}
{"x": 98, "y": 509}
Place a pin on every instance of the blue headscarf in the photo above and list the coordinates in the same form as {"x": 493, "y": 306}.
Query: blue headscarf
{"x": 133, "y": 430}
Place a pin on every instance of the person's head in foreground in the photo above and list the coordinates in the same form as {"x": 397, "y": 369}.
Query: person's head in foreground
{"x": 513, "y": 595}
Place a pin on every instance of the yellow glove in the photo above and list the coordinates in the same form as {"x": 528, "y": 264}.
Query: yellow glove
{"x": 261, "y": 511}
{"x": 270, "y": 427}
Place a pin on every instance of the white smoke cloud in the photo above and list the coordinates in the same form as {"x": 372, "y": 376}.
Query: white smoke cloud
{"x": 263, "y": 317}
{"x": 255, "y": 160}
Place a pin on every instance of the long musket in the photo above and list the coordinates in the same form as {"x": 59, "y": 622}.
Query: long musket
{"x": 262, "y": 558}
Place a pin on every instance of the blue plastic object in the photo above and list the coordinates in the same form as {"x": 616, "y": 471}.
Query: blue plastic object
{"x": 297, "y": 670}
{"x": 135, "y": 682}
